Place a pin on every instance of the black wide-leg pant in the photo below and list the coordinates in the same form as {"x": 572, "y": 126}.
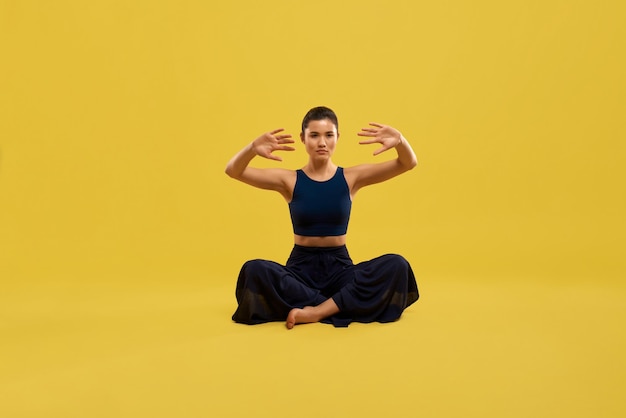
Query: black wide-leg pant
{"x": 375, "y": 290}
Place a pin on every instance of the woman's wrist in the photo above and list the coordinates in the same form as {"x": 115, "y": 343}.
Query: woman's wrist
{"x": 251, "y": 149}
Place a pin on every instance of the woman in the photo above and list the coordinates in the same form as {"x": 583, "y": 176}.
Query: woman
{"x": 319, "y": 281}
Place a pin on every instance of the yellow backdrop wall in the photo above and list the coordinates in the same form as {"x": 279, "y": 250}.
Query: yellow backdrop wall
{"x": 117, "y": 119}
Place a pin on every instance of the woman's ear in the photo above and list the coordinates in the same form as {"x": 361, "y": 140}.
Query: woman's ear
{"x": 302, "y": 137}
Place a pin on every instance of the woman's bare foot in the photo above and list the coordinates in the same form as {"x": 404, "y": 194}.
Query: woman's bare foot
{"x": 305, "y": 315}
{"x": 310, "y": 314}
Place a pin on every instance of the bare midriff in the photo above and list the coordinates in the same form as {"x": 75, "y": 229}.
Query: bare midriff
{"x": 331, "y": 241}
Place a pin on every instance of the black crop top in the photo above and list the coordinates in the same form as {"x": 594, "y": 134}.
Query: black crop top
{"x": 320, "y": 208}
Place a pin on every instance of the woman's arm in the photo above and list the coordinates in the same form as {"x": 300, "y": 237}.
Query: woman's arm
{"x": 268, "y": 178}
{"x": 366, "y": 174}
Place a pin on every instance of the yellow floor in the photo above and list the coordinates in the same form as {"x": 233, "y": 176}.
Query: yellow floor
{"x": 468, "y": 348}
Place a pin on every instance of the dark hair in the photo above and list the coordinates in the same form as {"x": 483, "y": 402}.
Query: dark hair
{"x": 319, "y": 113}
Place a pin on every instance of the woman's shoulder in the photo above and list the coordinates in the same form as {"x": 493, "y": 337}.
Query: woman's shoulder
{"x": 274, "y": 178}
{"x": 354, "y": 170}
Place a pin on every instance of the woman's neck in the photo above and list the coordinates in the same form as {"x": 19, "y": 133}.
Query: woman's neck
{"x": 320, "y": 170}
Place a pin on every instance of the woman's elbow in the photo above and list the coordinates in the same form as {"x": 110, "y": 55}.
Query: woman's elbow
{"x": 229, "y": 171}
{"x": 411, "y": 164}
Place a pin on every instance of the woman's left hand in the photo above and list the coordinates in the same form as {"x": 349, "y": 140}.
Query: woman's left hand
{"x": 386, "y": 135}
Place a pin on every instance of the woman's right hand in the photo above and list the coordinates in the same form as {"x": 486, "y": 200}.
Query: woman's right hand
{"x": 278, "y": 179}
{"x": 272, "y": 141}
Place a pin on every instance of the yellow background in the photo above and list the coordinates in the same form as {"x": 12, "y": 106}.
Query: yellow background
{"x": 121, "y": 238}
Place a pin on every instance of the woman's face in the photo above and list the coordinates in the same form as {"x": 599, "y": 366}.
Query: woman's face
{"x": 320, "y": 138}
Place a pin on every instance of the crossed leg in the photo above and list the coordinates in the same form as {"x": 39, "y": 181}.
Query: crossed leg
{"x": 310, "y": 314}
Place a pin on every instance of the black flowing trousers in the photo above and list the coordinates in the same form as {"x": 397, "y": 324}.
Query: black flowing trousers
{"x": 377, "y": 290}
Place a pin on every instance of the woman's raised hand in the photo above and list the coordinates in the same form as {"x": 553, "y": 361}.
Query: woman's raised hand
{"x": 272, "y": 141}
{"x": 386, "y": 135}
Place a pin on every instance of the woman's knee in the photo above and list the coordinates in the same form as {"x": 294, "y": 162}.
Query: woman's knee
{"x": 255, "y": 265}
{"x": 396, "y": 262}
{"x": 255, "y": 273}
